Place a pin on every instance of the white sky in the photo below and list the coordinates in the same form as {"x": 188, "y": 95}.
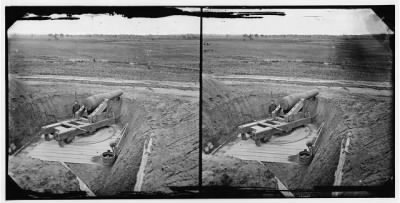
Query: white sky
{"x": 107, "y": 24}
{"x": 296, "y": 21}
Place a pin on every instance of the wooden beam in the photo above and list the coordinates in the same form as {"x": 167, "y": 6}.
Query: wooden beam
{"x": 272, "y": 126}
{"x": 339, "y": 170}
{"x": 82, "y": 185}
{"x": 140, "y": 174}
{"x": 317, "y": 138}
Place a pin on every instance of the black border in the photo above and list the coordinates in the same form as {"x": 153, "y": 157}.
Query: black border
{"x": 13, "y": 192}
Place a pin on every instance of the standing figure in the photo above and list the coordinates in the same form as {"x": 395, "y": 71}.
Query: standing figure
{"x": 75, "y": 108}
{"x": 272, "y": 107}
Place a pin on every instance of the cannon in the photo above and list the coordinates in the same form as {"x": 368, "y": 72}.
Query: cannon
{"x": 280, "y": 124}
{"x": 100, "y": 115}
{"x": 94, "y": 101}
{"x": 288, "y": 102}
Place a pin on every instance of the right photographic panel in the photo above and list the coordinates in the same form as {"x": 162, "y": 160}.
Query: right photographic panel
{"x": 298, "y": 102}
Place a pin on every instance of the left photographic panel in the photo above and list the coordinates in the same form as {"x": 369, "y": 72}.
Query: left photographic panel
{"x": 102, "y": 101}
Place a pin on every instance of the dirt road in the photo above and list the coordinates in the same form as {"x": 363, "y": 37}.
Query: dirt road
{"x": 306, "y": 81}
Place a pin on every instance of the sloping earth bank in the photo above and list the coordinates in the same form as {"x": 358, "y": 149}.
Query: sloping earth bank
{"x": 233, "y": 172}
{"x": 174, "y": 159}
{"x": 369, "y": 119}
{"x": 147, "y": 113}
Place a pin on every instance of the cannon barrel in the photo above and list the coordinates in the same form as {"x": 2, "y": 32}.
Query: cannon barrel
{"x": 289, "y": 101}
{"x": 94, "y": 101}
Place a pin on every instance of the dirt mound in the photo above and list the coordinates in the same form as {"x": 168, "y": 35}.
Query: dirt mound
{"x": 226, "y": 171}
{"x": 50, "y": 176}
{"x": 370, "y": 160}
{"x": 174, "y": 158}
{"x": 367, "y": 118}
{"x": 224, "y": 110}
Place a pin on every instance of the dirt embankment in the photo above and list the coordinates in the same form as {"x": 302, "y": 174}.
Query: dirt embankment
{"x": 174, "y": 158}
{"x": 233, "y": 172}
{"x": 49, "y": 177}
{"x": 171, "y": 123}
{"x": 28, "y": 112}
{"x": 366, "y": 117}
{"x": 370, "y": 160}
{"x": 224, "y": 110}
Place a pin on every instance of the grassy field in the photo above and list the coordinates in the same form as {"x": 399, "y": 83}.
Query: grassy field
{"x": 144, "y": 58}
{"x": 363, "y": 58}
{"x": 177, "y": 59}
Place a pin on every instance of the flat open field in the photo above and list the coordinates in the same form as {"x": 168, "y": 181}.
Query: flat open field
{"x": 159, "y": 81}
{"x": 363, "y": 58}
{"x": 172, "y": 59}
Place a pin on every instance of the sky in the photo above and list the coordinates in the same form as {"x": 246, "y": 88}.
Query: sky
{"x": 108, "y": 24}
{"x": 296, "y": 21}
{"x": 302, "y": 22}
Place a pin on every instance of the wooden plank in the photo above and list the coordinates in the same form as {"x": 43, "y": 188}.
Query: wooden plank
{"x": 291, "y": 145}
{"x": 70, "y": 147}
{"x": 264, "y": 159}
{"x": 51, "y": 151}
{"x": 58, "y": 123}
{"x": 83, "y": 148}
{"x": 252, "y": 123}
{"x": 94, "y": 147}
{"x": 283, "y": 189}
{"x": 258, "y": 128}
{"x": 342, "y": 159}
{"x": 61, "y": 154}
{"x": 66, "y": 159}
{"x": 62, "y": 130}
{"x": 76, "y": 127}
{"x": 289, "y": 153}
{"x": 280, "y": 119}
{"x": 269, "y": 147}
{"x": 75, "y": 149}
{"x": 82, "y": 153}
{"x": 82, "y": 185}
{"x": 142, "y": 167}
{"x": 273, "y": 126}
{"x": 315, "y": 146}
{"x": 265, "y": 155}
{"x": 247, "y": 127}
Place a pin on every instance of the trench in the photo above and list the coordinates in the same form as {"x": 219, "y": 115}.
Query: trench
{"x": 28, "y": 112}
{"x": 224, "y": 110}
